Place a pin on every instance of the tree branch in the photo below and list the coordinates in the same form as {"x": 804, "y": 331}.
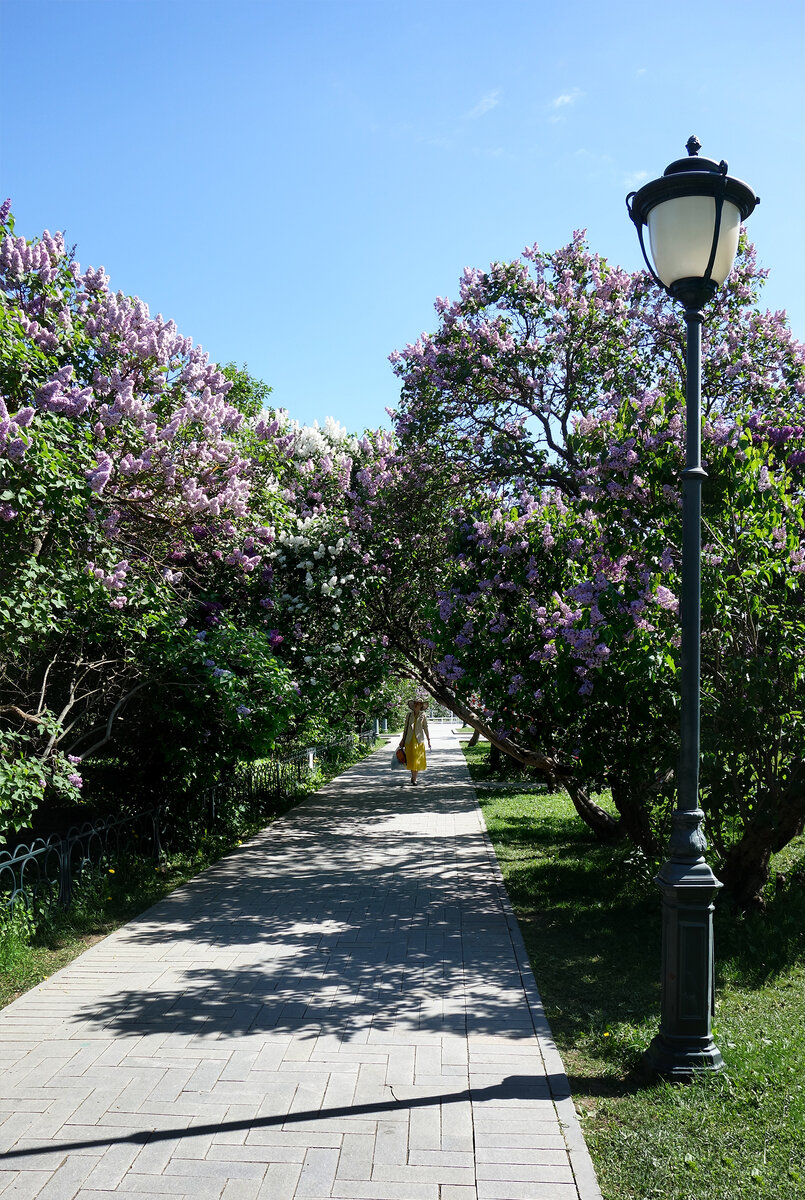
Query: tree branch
{"x": 108, "y": 733}
{"x": 34, "y": 720}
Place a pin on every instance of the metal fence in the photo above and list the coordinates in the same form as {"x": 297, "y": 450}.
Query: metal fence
{"x": 47, "y": 872}
{"x": 258, "y": 789}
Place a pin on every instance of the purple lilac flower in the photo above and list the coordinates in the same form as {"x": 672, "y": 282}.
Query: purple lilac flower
{"x": 667, "y": 599}
{"x": 449, "y": 669}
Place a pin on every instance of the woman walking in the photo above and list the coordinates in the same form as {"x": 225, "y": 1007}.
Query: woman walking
{"x": 414, "y": 736}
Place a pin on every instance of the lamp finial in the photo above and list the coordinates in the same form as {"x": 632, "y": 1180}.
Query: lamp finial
{"x": 693, "y": 145}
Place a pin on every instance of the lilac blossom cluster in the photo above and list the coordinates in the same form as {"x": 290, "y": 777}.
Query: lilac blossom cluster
{"x": 500, "y": 346}
{"x": 12, "y": 440}
{"x": 146, "y": 405}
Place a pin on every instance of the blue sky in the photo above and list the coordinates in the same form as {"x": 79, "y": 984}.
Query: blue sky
{"x": 295, "y": 182}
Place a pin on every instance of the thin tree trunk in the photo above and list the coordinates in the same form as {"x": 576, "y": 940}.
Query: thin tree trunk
{"x": 745, "y": 871}
{"x": 634, "y": 819}
{"x": 530, "y": 758}
{"x": 747, "y": 864}
{"x": 602, "y": 823}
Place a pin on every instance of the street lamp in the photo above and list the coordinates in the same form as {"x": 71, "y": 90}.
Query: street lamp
{"x": 693, "y": 214}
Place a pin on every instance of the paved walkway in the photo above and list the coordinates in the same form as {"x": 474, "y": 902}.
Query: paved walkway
{"x": 341, "y": 1008}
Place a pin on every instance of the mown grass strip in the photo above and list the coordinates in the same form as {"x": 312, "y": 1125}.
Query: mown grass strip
{"x": 591, "y": 921}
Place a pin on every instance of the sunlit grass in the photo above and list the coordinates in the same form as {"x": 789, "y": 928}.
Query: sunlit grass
{"x": 592, "y": 928}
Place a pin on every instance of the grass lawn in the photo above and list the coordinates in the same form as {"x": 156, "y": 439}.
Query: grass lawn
{"x": 592, "y": 928}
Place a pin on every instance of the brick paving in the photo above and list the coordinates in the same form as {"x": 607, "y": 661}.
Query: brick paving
{"x": 343, "y": 1008}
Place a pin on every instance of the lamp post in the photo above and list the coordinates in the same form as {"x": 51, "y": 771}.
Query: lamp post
{"x": 693, "y": 214}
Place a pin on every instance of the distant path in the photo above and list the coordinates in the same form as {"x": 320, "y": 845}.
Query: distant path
{"x": 341, "y": 1008}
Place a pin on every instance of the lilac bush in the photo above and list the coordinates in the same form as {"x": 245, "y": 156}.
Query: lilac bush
{"x": 552, "y": 396}
{"x": 154, "y": 628}
{"x": 127, "y": 480}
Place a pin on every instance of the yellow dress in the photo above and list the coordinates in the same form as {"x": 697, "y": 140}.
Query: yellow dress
{"x": 415, "y": 758}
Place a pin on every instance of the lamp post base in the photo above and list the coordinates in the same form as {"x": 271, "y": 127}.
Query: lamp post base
{"x": 680, "y": 1058}
{"x": 684, "y": 1045}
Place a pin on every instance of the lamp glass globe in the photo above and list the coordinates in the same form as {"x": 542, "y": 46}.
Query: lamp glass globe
{"x": 681, "y": 238}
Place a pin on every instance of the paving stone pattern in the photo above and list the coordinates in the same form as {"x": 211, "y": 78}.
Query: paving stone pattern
{"x": 341, "y": 1008}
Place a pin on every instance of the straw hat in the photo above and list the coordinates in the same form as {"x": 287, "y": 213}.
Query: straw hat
{"x": 418, "y": 700}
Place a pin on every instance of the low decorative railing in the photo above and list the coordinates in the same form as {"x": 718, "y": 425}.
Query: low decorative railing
{"x": 257, "y": 789}
{"x": 47, "y": 871}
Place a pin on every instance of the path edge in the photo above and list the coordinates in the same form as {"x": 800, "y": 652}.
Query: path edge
{"x": 580, "y": 1161}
